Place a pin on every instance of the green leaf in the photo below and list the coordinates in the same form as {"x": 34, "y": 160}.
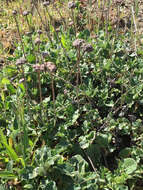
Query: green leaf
{"x": 12, "y": 154}
{"x": 122, "y": 187}
{"x": 124, "y": 153}
{"x": 2, "y": 96}
{"x": 36, "y": 172}
{"x": 7, "y": 175}
{"x": 63, "y": 40}
{"x": 94, "y": 153}
{"x": 129, "y": 165}
{"x": 121, "y": 179}
{"x": 106, "y": 64}
{"x": 31, "y": 58}
{"x": 103, "y": 140}
{"x": 51, "y": 185}
{"x": 84, "y": 143}
{"x": 79, "y": 163}
{"x": 2, "y": 137}
{"x": 5, "y": 81}
{"x": 21, "y": 85}
{"x": 22, "y": 161}
{"x": 2, "y": 187}
{"x": 75, "y": 116}
{"x": 28, "y": 186}
{"x": 110, "y": 104}
{"x": 11, "y": 88}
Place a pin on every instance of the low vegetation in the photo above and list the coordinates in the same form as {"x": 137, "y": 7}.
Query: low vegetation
{"x": 71, "y": 100}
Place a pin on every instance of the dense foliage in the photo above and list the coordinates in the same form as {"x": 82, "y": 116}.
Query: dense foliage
{"x": 71, "y": 112}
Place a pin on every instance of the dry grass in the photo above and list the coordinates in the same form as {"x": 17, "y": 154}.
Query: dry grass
{"x": 8, "y": 33}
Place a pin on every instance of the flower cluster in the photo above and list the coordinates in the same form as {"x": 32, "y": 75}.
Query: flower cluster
{"x": 21, "y": 61}
{"x": 71, "y": 5}
{"x": 80, "y": 43}
{"x": 48, "y": 66}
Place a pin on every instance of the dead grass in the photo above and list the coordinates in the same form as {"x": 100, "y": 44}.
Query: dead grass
{"x": 8, "y": 33}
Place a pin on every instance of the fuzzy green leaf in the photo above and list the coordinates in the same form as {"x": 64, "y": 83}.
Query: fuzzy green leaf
{"x": 12, "y": 154}
{"x": 129, "y": 165}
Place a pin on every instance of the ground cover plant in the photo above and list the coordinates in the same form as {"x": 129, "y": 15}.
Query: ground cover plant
{"x": 71, "y": 96}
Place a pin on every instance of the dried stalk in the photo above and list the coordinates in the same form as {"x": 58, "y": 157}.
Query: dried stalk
{"x": 135, "y": 26}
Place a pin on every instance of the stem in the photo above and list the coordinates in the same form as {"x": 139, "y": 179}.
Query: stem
{"x": 78, "y": 67}
{"x": 51, "y": 23}
{"x": 39, "y": 85}
{"x": 135, "y": 29}
{"x": 90, "y": 161}
{"x": 28, "y": 23}
{"x": 25, "y": 85}
{"x": 51, "y": 20}
{"x": 73, "y": 19}
{"x": 53, "y": 91}
{"x": 19, "y": 35}
{"x": 78, "y": 73}
{"x": 45, "y": 26}
{"x": 118, "y": 19}
{"x": 60, "y": 16}
{"x": 30, "y": 31}
{"x": 53, "y": 94}
{"x": 106, "y": 25}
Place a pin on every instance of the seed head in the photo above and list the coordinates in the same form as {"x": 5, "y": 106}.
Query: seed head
{"x": 37, "y": 41}
{"x": 42, "y": 67}
{"x": 78, "y": 42}
{"x": 46, "y": 3}
{"x": 71, "y": 23}
{"x": 26, "y": 13}
{"x": 118, "y": 2}
{"x": 71, "y": 5}
{"x": 45, "y": 54}
{"x": 21, "y": 61}
{"x": 87, "y": 47}
{"x": 50, "y": 66}
{"x": 21, "y": 80}
{"x": 39, "y": 32}
{"x": 36, "y": 67}
{"x": 14, "y": 12}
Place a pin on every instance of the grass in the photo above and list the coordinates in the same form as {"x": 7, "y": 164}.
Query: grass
{"x": 71, "y": 98}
